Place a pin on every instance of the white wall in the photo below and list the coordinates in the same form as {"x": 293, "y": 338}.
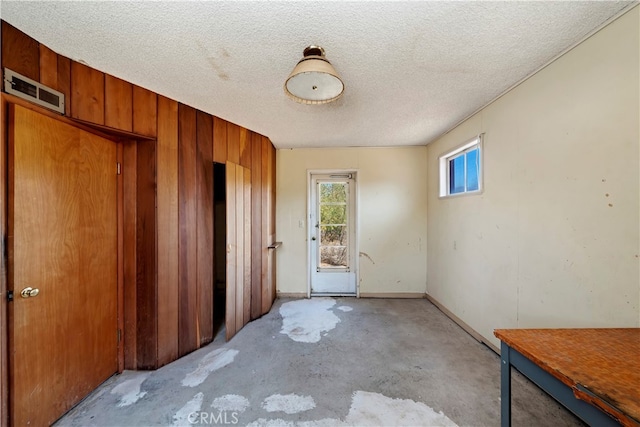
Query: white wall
{"x": 554, "y": 239}
{"x": 392, "y": 186}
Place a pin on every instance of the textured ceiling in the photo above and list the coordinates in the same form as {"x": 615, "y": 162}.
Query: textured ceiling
{"x": 412, "y": 70}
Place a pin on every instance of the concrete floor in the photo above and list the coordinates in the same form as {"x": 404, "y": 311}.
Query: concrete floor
{"x": 326, "y": 362}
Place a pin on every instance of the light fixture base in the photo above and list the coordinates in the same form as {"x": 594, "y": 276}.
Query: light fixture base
{"x": 313, "y": 51}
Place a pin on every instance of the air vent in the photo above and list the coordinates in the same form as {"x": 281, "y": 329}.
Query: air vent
{"x": 25, "y": 88}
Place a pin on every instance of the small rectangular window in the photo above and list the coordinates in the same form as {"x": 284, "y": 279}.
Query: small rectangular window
{"x": 461, "y": 169}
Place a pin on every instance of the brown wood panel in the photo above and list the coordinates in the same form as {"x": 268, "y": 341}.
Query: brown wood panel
{"x": 120, "y": 220}
{"x": 20, "y": 52}
{"x": 233, "y": 143}
{"x": 604, "y": 361}
{"x": 4, "y": 373}
{"x": 167, "y": 213}
{"x": 129, "y": 174}
{"x": 256, "y": 226}
{"x": 64, "y": 82}
{"x": 219, "y": 140}
{"x": 147, "y": 296}
{"x": 232, "y": 261}
{"x": 87, "y": 93}
{"x": 246, "y": 298}
{"x": 68, "y": 247}
{"x": 118, "y": 108}
{"x": 245, "y": 147}
{"x": 145, "y": 111}
{"x": 204, "y": 185}
{"x": 48, "y": 67}
{"x": 187, "y": 195}
{"x": 239, "y": 247}
{"x": 265, "y": 213}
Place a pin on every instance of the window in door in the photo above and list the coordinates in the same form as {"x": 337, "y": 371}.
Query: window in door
{"x": 333, "y": 224}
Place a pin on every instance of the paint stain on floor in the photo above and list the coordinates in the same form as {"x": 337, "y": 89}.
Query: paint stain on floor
{"x": 183, "y": 416}
{"x": 304, "y": 320}
{"x": 345, "y": 308}
{"x": 213, "y": 361}
{"x": 231, "y": 403}
{"x": 373, "y": 409}
{"x": 129, "y": 387}
{"x": 288, "y": 403}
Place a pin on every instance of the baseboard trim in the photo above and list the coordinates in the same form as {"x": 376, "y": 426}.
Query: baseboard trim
{"x": 329, "y": 294}
{"x": 468, "y": 329}
{"x": 292, "y": 294}
{"x": 392, "y": 295}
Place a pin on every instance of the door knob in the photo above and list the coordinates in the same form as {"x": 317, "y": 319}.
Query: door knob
{"x": 29, "y": 292}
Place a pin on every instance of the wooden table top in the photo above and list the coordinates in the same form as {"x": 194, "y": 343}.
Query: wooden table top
{"x": 604, "y": 361}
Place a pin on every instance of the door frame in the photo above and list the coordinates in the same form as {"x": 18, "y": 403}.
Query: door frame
{"x": 118, "y": 138}
{"x": 356, "y": 224}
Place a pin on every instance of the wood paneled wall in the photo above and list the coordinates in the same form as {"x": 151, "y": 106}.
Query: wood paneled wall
{"x": 168, "y": 230}
{"x": 187, "y": 247}
{"x": 167, "y": 153}
{"x": 146, "y": 256}
{"x": 205, "y": 280}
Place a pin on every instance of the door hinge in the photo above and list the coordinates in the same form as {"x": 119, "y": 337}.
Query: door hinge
{"x": 118, "y": 168}
{"x": 9, "y": 296}
{"x": 119, "y": 335}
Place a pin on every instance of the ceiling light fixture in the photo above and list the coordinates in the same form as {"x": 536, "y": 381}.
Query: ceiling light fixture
{"x": 314, "y": 80}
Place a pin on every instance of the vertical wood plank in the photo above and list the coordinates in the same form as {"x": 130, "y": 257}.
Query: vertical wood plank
{"x": 239, "y": 248}
{"x": 265, "y": 192}
{"x": 230, "y": 304}
{"x": 87, "y": 93}
{"x": 118, "y": 103}
{"x": 147, "y": 295}
{"x": 20, "y": 52}
{"x": 48, "y": 67}
{"x": 219, "y": 140}
{"x": 120, "y": 233}
{"x": 187, "y": 291}
{"x": 247, "y": 247}
{"x": 64, "y": 82}
{"x": 245, "y": 147}
{"x": 145, "y": 111}
{"x": 167, "y": 213}
{"x": 256, "y": 226}
{"x": 233, "y": 143}
{"x": 4, "y": 353}
{"x": 204, "y": 185}
{"x": 129, "y": 174}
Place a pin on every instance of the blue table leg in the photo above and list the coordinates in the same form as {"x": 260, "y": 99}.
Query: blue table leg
{"x": 505, "y": 386}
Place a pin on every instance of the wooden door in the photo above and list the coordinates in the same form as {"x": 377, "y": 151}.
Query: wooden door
{"x": 62, "y": 240}
{"x": 238, "y": 293}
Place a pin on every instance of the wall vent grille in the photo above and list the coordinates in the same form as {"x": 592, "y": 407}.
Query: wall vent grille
{"x": 25, "y": 88}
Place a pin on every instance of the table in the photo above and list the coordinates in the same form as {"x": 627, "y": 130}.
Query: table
{"x": 595, "y": 373}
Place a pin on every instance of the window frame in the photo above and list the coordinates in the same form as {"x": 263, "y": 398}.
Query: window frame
{"x": 445, "y": 168}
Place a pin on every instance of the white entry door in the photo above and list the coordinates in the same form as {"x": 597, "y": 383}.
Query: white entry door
{"x": 332, "y": 234}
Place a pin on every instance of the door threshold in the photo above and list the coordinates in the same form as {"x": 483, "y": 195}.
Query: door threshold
{"x": 332, "y": 294}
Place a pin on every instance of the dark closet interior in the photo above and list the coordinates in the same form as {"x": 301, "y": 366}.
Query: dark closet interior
{"x": 220, "y": 242}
